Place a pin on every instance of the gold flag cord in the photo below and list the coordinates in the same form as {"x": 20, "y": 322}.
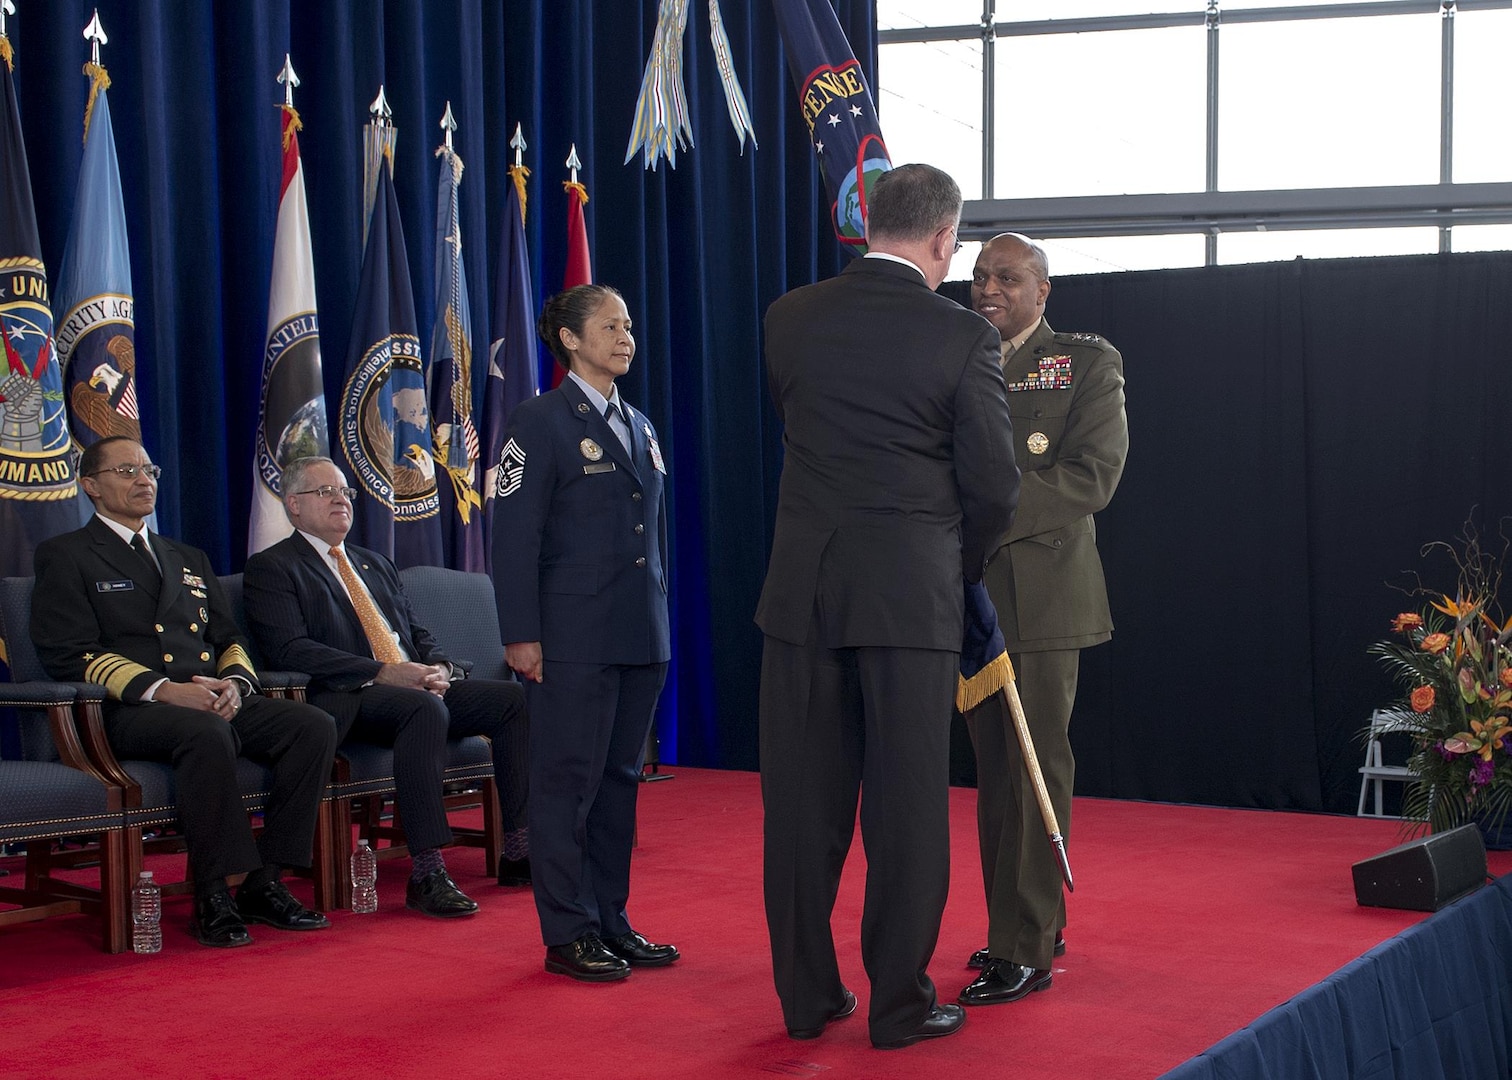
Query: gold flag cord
{"x": 99, "y": 79}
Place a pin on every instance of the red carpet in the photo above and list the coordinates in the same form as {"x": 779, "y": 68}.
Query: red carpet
{"x": 1186, "y": 924}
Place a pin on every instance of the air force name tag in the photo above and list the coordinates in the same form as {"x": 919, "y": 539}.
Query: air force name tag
{"x": 114, "y": 586}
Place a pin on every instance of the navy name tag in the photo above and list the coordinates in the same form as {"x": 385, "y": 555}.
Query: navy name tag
{"x": 599, "y": 467}
{"x": 114, "y": 586}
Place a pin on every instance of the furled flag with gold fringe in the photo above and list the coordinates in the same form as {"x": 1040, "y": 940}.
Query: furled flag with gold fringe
{"x": 292, "y": 418}
{"x": 838, "y": 108}
{"x": 38, "y": 487}
{"x": 661, "y": 112}
{"x": 449, "y": 373}
{"x": 96, "y": 315}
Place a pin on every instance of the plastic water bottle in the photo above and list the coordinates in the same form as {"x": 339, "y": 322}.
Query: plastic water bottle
{"x": 146, "y": 911}
{"x": 364, "y": 879}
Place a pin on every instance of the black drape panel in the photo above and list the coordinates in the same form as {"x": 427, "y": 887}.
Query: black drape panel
{"x": 699, "y": 251}
{"x": 1298, "y": 432}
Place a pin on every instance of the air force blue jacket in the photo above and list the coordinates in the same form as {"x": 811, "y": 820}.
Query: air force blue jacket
{"x": 580, "y": 534}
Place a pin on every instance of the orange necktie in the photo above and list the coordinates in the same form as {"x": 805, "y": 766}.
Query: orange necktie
{"x": 385, "y": 651}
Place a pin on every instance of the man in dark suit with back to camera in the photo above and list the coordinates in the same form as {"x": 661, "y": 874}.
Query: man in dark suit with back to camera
{"x": 1066, "y": 394}
{"x": 146, "y": 617}
{"x": 338, "y": 613}
{"x": 898, "y": 479}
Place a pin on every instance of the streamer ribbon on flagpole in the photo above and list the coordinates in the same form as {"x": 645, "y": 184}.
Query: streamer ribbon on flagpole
{"x": 661, "y": 126}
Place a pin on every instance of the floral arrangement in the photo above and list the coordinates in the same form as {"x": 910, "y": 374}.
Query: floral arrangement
{"x": 1451, "y": 658}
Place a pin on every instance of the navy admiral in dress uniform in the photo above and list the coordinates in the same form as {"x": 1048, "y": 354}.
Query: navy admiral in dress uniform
{"x": 1066, "y": 396}
{"x": 580, "y": 573}
{"x": 337, "y": 612}
{"x": 146, "y": 617}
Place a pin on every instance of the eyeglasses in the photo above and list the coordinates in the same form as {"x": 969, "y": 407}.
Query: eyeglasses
{"x": 152, "y": 472}
{"x": 958, "y": 244}
{"x": 327, "y": 491}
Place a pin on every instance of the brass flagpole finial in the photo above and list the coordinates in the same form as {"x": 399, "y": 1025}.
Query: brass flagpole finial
{"x": 94, "y": 33}
{"x": 573, "y": 163}
{"x": 448, "y": 125}
{"x": 289, "y": 81}
{"x": 383, "y": 116}
{"x": 517, "y": 144}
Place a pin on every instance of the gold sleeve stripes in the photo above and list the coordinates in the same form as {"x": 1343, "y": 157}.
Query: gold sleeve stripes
{"x": 234, "y": 657}
{"x": 114, "y": 672}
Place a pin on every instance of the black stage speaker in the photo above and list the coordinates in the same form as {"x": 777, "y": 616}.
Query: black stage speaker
{"x": 1425, "y": 874}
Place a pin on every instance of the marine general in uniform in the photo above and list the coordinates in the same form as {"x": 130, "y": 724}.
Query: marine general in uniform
{"x": 1066, "y": 398}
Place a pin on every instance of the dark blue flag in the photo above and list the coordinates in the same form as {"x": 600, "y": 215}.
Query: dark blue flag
{"x": 38, "y": 487}
{"x": 985, "y": 667}
{"x": 838, "y": 108}
{"x": 385, "y": 422}
{"x": 512, "y": 356}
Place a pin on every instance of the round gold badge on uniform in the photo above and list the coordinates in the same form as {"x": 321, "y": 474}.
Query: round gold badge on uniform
{"x": 591, "y": 450}
{"x": 1038, "y": 443}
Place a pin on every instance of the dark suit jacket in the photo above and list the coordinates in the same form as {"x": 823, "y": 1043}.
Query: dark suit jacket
{"x": 98, "y": 615}
{"x": 1066, "y": 394}
{"x": 580, "y": 537}
{"x": 301, "y": 618}
{"x": 899, "y": 473}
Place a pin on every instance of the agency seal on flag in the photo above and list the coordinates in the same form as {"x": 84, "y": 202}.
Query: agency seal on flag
{"x": 292, "y": 422}
{"x": 35, "y": 463}
{"x": 383, "y": 411}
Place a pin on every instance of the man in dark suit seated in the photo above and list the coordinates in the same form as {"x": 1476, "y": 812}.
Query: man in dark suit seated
{"x": 338, "y": 613}
{"x": 146, "y": 617}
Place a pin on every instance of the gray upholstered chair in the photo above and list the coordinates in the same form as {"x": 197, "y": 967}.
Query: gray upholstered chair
{"x": 50, "y": 791}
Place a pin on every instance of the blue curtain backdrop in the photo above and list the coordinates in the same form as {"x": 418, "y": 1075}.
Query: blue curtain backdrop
{"x": 699, "y": 251}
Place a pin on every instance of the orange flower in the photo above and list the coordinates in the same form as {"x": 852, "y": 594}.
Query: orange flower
{"x": 1407, "y": 620}
{"x": 1422, "y": 699}
{"x": 1506, "y": 677}
{"x": 1435, "y": 643}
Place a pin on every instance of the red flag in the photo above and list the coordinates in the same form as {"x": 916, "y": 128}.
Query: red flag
{"x": 578, "y": 270}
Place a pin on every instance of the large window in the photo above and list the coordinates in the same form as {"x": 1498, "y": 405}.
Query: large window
{"x": 1133, "y": 135}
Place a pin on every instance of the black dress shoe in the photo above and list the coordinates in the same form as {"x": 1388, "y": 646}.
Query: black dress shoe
{"x": 846, "y": 1008}
{"x": 1002, "y": 981}
{"x": 636, "y": 950}
{"x": 217, "y": 923}
{"x": 942, "y": 1020}
{"x": 272, "y": 904}
{"x": 585, "y": 959}
{"x": 437, "y": 895}
{"x": 514, "y": 871}
{"x": 978, "y": 959}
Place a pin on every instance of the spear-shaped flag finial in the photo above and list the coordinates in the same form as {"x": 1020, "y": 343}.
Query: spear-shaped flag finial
{"x": 289, "y": 81}
{"x": 383, "y": 116}
{"x": 573, "y": 163}
{"x": 448, "y": 125}
{"x": 94, "y": 33}
{"x": 517, "y": 144}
